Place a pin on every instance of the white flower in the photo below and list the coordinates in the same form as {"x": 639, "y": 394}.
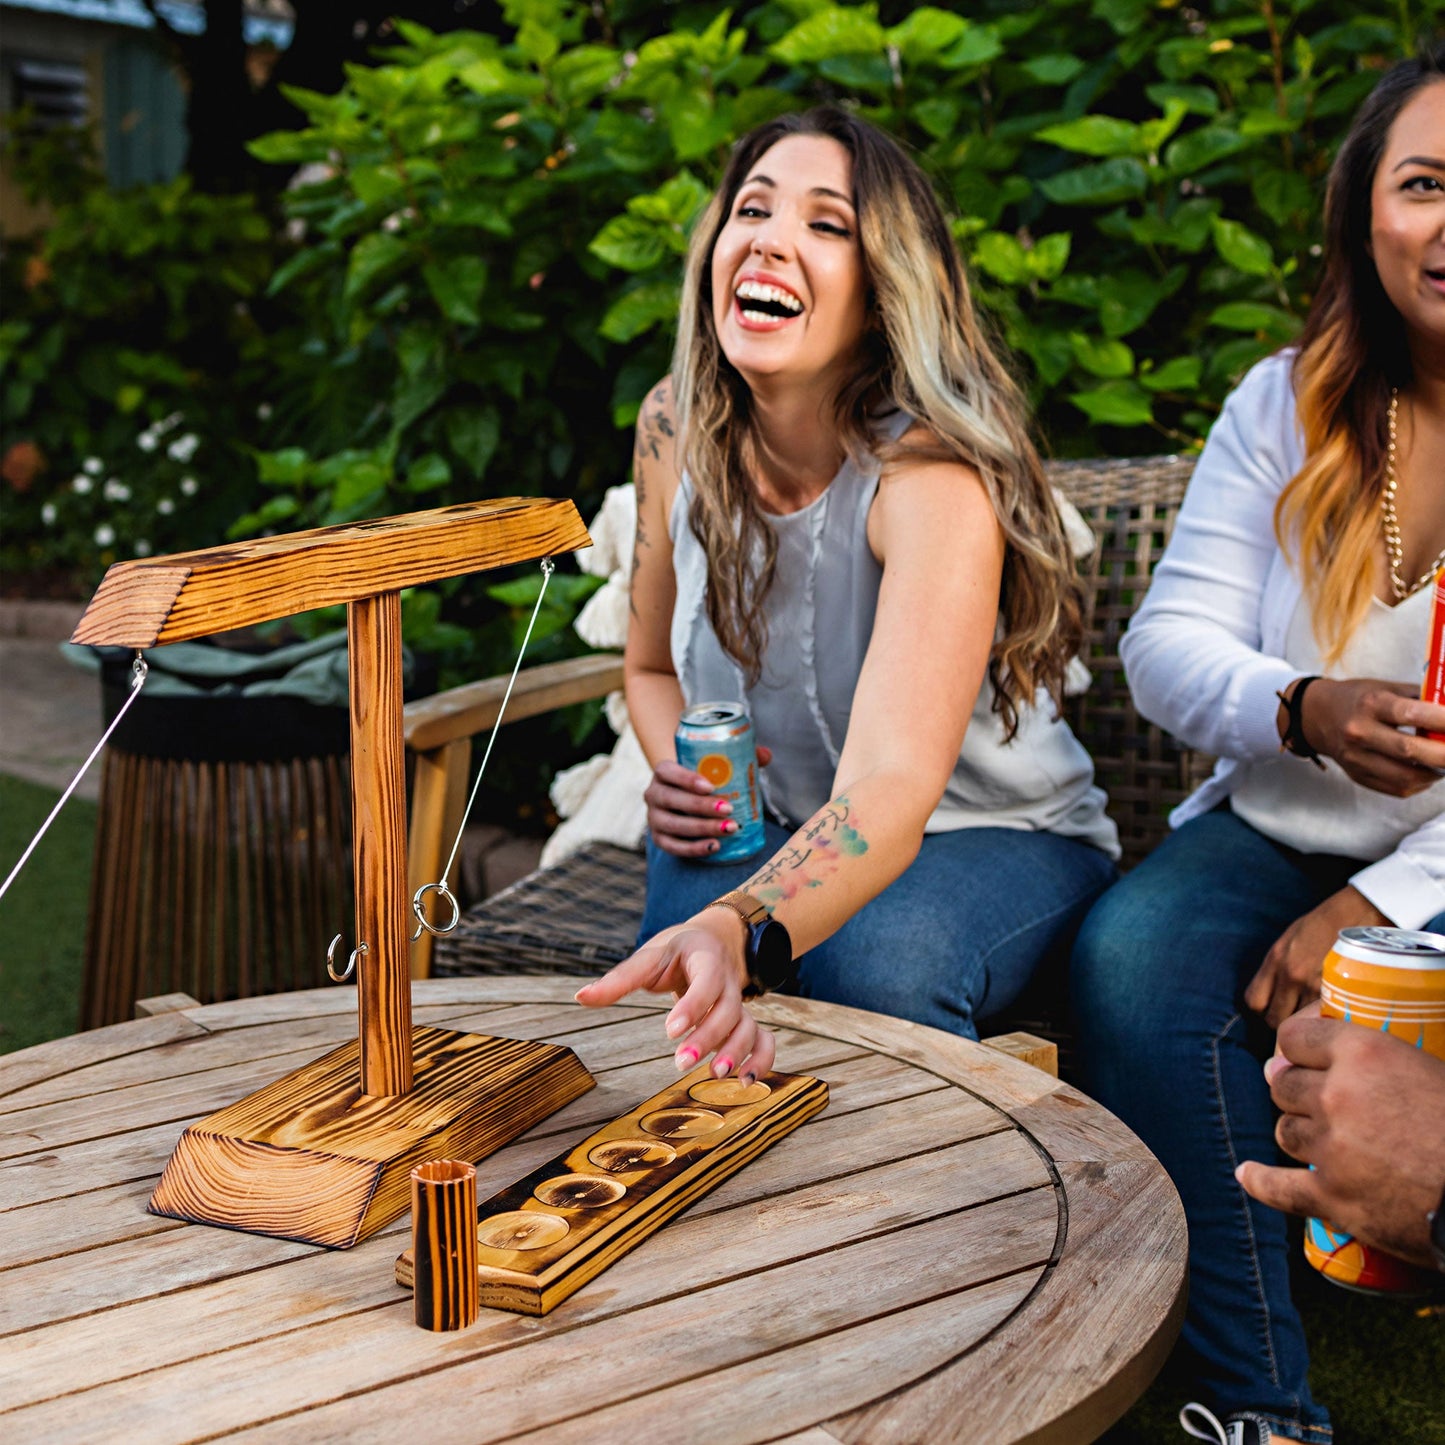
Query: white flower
{"x": 81, "y": 483}
{"x": 48, "y": 514}
{"x": 183, "y": 448}
{"x": 93, "y": 465}
{"x": 104, "y": 535}
{"x": 392, "y": 223}
{"x": 147, "y": 441}
{"x": 263, "y": 412}
{"x": 115, "y": 490}
{"x": 168, "y": 423}
{"x": 189, "y": 486}
{"x": 142, "y": 548}
{"x": 165, "y": 506}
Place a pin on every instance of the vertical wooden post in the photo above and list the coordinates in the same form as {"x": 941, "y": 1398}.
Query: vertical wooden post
{"x": 378, "y": 814}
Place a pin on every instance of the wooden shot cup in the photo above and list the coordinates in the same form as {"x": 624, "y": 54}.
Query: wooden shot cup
{"x": 444, "y": 1244}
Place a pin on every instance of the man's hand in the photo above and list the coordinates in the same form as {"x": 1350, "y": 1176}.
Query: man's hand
{"x": 1289, "y": 977}
{"x": 1368, "y": 1112}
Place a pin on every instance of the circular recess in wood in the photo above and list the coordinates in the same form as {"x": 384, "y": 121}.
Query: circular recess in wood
{"x": 521, "y": 1229}
{"x": 622, "y": 1156}
{"x": 729, "y": 1093}
{"x": 682, "y": 1123}
{"x": 579, "y": 1191}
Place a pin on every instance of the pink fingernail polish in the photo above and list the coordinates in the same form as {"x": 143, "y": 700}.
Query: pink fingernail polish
{"x": 722, "y": 1066}
{"x": 730, "y": 827}
{"x": 722, "y": 806}
{"x": 686, "y": 1058}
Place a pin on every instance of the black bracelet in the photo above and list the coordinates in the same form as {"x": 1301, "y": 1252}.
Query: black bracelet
{"x": 1294, "y": 740}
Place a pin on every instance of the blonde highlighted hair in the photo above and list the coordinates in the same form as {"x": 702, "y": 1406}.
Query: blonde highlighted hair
{"x": 1351, "y": 354}
{"x": 926, "y": 353}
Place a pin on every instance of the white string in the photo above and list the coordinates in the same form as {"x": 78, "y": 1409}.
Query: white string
{"x": 139, "y": 669}
{"x": 441, "y": 884}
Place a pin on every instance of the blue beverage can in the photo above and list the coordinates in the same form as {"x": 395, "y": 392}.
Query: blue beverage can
{"x": 716, "y": 740}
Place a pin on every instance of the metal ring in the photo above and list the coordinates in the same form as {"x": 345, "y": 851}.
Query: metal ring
{"x": 418, "y": 908}
{"x": 350, "y": 962}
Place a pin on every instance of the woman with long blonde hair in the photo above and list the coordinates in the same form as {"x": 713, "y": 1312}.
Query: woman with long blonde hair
{"x": 1285, "y": 632}
{"x": 843, "y": 523}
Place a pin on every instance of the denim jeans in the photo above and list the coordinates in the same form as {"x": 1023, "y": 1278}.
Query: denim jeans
{"x": 1159, "y": 969}
{"x": 952, "y": 939}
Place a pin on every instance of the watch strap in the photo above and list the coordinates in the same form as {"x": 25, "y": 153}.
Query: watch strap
{"x": 754, "y": 915}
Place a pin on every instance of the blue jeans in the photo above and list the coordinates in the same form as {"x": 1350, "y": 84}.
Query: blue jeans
{"x": 953, "y": 939}
{"x": 1159, "y": 969}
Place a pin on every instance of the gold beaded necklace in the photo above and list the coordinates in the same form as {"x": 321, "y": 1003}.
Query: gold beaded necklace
{"x": 1394, "y": 547}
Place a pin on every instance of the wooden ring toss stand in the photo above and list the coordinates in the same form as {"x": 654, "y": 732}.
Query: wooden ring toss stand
{"x": 325, "y": 1154}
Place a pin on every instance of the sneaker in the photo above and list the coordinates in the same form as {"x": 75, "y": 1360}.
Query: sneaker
{"x": 1236, "y": 1430}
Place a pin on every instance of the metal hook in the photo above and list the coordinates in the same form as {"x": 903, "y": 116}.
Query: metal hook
{"x": 418, "y": 908}
{"x": 350, "y": 962}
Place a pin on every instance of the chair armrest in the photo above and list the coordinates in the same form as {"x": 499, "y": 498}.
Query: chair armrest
{"x": 432, "y": 722}
{"x": 439, "y": 731}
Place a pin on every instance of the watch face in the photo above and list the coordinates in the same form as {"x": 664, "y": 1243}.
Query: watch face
{"x": 770, "y": 953}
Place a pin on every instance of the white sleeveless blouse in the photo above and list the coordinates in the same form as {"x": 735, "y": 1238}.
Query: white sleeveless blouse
{"x": 820, "y": 613}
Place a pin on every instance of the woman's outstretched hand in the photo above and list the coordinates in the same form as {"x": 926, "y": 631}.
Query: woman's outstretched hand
{"x": 701, "y": 962}
{"x": 1364, "y": 725}
{"x": 1289, "y": 977}
{"x": 683, "y": 815}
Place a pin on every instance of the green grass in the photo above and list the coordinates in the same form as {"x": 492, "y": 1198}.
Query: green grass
{"x": 1378, "y": 1365}
{"x": 42, "y": 917}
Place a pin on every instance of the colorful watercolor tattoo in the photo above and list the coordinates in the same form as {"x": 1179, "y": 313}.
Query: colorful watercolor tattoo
{"x": 814, "y": 853}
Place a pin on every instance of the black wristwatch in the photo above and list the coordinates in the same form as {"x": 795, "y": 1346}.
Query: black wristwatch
{"x": 1437, "y": 1233}
{"x": 767, "y": 949}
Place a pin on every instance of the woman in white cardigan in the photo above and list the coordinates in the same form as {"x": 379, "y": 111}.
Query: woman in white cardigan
{"x": 1285, "y": 632}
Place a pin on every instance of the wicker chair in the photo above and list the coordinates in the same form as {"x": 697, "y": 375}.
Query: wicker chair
{"x": 581, "y": 916}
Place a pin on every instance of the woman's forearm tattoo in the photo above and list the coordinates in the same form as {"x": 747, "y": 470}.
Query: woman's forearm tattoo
{"x": 814, "y": 853}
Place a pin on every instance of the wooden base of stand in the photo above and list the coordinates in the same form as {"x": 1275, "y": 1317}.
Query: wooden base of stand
{"x": 312, "y": 1158}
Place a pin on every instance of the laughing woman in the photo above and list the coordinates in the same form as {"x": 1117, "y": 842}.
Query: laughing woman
{"x": 1284, "y": 632}
{"x": 842, "y": 521}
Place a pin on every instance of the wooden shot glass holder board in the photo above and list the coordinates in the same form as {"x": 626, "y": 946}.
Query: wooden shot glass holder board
{"x": 325, "y": 1154}
{"x": 544, "y": 1237}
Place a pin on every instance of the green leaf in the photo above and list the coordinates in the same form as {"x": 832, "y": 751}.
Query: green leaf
{"x": 1123, "y": 16}
{"x": 676, "y": 202}
{"x": 1049, "y": 256}
{"x": 1198, "y": 99}
{"x": 1192, "y": 153}
{"x": 926, "y": 33}
{"x": 1282, "y": 195}
{"x": 1261, "y": 121}
{"x": 630, "y": 243}
{"x": 456, "y": 286}
{"x": 1104, "y": 184}
{"x": 414, "y": 397}
{"x": 1101, "y": 356}
{"x": 287, "y": 147}
{"x": 1116, "y": 403}
{"x": 376, "y": 255}
{"x": 1126, "y": 299}
{"x": 938, "y": 114}
{"x": 428, "y": 473}
{"x": 1239, "y": 246}
{"x": 1180, "y": 373}
{"x": 1094, "y": 135}
{"x": 640, "y": 310}
{"x": 473, "y": 433}
{"x": 1254, "y": 316}
{"x": 1053, "y": 69}
{"x": 1002, "y": 257}
{"x": 1186, "y": 228}
{"x": 978, "y": 45}
{"x": 288, "y": 467}
{"x": 829, "y": 31}
{"x": 486, "y": 214}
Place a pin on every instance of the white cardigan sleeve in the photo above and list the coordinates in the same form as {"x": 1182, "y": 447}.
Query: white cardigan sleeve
{"x": 1192, "y": 653}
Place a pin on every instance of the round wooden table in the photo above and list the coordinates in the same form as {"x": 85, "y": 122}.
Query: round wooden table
{"x": 959, "y": 1248}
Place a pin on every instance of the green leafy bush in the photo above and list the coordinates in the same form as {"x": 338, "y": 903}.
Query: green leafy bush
{"x": 132, "y": 364}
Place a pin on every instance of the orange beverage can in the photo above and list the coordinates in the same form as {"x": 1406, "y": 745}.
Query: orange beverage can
{"x": 1432, "y": 687}
{"x": 1391, "y": 979}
